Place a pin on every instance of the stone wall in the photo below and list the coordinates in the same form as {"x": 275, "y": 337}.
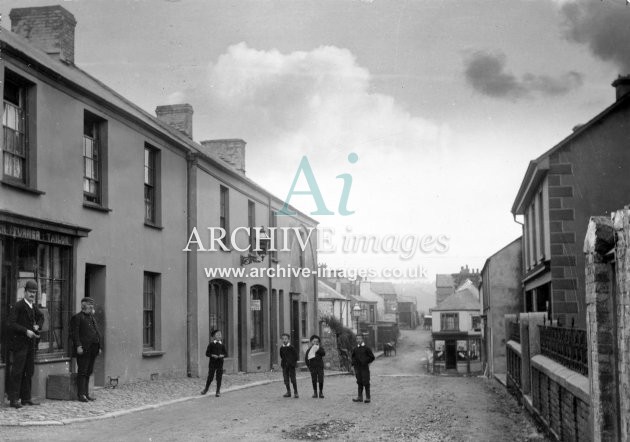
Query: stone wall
{"x": 329, "y": 342}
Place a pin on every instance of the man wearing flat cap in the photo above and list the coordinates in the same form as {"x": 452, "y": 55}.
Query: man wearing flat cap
{"x": 87, "y": 343}
{"x": 24, "y": 322}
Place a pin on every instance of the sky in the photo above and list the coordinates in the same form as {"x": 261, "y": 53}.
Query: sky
{"x": 443, "y": 103}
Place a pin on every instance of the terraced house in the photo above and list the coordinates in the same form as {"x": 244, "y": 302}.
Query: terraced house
{"x": 98, "y": 197}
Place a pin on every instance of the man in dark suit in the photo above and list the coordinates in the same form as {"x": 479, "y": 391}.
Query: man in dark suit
{"x": 217, "y": 352}
{"x": 87, "y": 343}
{"x": 24, "y": 322}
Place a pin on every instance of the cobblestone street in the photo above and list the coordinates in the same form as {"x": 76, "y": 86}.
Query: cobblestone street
{"x": 407, "y": 405}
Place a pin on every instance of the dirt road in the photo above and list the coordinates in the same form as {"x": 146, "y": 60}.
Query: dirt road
{"x": 406, "y": 406}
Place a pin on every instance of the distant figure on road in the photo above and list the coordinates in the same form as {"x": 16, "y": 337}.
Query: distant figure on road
{"x": 24, "y": 323}
{"x": 87, "y": 344}
{"x": 315, "y": 363}
{"x": 362, "y": 357}
{"x": 216, "y": 352}
{"x": 289, "y": 357}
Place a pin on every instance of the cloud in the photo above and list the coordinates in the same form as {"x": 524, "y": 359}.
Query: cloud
{"x": 602, "y": 26}
{"x": 487, "y": 74}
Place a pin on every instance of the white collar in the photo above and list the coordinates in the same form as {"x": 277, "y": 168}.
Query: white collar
{"x": 217, "y": 342}
{"x": 28, "y": 303}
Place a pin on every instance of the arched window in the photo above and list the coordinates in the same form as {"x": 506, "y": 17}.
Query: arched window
{"x": 257, "y": 318}
{"x": 218, "y": 307}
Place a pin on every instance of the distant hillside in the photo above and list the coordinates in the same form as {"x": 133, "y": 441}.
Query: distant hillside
{"x": 423, "y": 292}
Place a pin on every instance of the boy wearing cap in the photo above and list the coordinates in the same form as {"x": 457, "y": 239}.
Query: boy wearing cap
{"x": 315, "y": 363}
{"x": 362, "y": 357}
{"x": 87, "y": 344}
{"x": 289, "y": 357}
{"x": 24, "y": 323}
{"x": 216, "y": 351}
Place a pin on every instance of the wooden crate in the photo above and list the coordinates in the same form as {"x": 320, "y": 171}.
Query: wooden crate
{"x": 62, "y": 386}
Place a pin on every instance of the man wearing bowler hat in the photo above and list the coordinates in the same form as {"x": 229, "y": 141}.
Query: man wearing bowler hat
{"x": 87, "y": 343}
{"x": 24, "y": 322}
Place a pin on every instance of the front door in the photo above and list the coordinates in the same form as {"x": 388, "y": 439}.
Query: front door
{"x": 95, "y": 289}
{"x": 295, "y": 324}
{"x": 451, "y": 354}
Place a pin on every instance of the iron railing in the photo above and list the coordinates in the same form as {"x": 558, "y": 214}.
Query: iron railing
{"x": 566, "y": 346}
{"x": 514, "y": 331}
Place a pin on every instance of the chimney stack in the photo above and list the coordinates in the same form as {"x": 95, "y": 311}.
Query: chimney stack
{"x": 622, "y": 85}
{"x": 50, "y": 28}
{"x": 231, "y": 151}
{"x": 178, "y": 116}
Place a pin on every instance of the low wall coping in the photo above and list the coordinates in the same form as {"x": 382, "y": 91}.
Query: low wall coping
{"x": 515, "y": 346}
{"x": 572, "y": 381}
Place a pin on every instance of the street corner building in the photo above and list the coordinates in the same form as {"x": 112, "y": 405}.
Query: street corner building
{"x": 98, "y": 198}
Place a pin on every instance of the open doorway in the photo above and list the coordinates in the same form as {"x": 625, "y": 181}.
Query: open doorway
{"x": 95, "y": 289}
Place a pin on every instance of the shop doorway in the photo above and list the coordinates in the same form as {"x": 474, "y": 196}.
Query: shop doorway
{"x": 451, "y": 355}
{"x": 95, "y": 289}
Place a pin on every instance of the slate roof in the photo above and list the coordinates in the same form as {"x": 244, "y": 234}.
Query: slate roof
{"x": 463, "y": 299}
{"x": 326, "y": 292}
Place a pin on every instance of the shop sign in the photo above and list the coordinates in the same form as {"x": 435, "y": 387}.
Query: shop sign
{"x": 34, "y": 234}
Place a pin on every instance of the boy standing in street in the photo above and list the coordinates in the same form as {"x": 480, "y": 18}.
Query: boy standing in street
{"x": 216, "y": 352}
{"x": 315, "y": 363}
{"x": 289, "y": 357}
{"x": 362, "y": 357}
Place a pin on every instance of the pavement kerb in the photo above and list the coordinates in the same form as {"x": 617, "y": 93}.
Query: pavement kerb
{"x": 115, "y": 414}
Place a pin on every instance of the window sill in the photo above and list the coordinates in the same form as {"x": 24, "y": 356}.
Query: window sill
{"x": 153, "y": 226}
{"x": 152, "y": 353}
{"x": 22, "y": 187}
{"x": 96, "y": 207}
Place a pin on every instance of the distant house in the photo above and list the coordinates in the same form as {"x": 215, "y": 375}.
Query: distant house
{"x": 456, "y": 332}
{"x": 585, "y": 173}
{"x": 332, "y": 303}
{"x": 447, "y": 284}
{"x": 500, "y": 293}
{"x": 388, "y": 309}
{"x": 407, "y": 314}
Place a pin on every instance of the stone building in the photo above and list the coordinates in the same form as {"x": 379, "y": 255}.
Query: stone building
{"x": 583, "y": 174}
{"x": 99, "y": 198}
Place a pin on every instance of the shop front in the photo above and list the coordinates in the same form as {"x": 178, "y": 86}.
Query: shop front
{"x": 42, "y": 251}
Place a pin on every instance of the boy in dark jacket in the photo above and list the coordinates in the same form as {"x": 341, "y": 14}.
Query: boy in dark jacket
{"x": 315, "y": 364}
{"x": 216, "y": 352}
{"x": 362, "y": 357}
{"x": 289, "y": 357}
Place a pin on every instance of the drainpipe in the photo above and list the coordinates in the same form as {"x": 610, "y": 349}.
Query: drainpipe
{"x": 191, "y": 268}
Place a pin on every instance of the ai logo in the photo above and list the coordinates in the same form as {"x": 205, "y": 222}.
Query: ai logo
{"x": 313, "y": 190}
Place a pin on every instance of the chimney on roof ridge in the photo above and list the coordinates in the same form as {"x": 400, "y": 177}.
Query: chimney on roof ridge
{"x": 232, "y": 151}
{"x": 50, "y": 28}
{"x": 178, "y": 116}
{"x": 622, "y": 86}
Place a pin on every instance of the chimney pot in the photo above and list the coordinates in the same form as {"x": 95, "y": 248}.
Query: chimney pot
{"x": 178, "y": 116}
{"x": 50, "y": 28}
{"x": 232, "y": 151}
{"x": 622, "y": 86}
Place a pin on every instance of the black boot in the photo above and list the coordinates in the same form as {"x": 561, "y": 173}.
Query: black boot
{"x": 359, "y": 397}
{"x": 205, "y": 390}
{"x": 367, "y": 394}
{"x": 81, "y": 388}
